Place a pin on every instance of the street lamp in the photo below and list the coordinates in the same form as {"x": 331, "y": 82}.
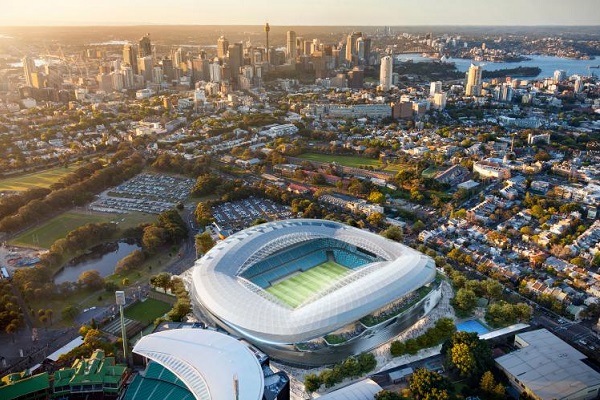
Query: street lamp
{"x": 120, "y": 298}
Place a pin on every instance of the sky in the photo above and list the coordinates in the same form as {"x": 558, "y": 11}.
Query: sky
{"x": 299, "y": 12}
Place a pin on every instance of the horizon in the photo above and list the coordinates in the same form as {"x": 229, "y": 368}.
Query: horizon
{"x": 533, "y": 13}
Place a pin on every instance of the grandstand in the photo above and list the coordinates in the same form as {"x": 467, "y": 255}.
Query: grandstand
{"x": 283, "y": 284}
{"x": 157, "y": 383}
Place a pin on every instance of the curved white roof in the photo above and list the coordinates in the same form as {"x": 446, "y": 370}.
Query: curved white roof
{"x": 256, "y": 314}
{"x": 207, "y": 362}
{"x": 361, "y": 390}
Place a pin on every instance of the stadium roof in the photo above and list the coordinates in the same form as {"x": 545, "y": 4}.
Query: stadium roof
{"x": 17, "y": 386}
{"x": 207, "y": 362}
{"x": 256, "y": 314}
{"x": 362, "y": 390}
{"x": 548, "y": 366}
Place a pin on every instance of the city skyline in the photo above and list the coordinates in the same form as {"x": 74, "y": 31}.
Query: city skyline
{"x": 291, "y": 13}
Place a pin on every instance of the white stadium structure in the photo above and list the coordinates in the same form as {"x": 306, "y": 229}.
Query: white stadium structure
{"x": 312, "y": 292}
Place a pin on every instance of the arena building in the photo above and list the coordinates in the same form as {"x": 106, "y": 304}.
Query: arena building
{"x": 313, "y": 292}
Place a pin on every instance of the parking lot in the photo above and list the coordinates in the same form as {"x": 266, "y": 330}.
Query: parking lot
{"x": 235, "y": 216}
{"x": 144, "y": 193}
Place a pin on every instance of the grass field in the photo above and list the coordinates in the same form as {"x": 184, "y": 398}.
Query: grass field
{"x": 295, "y": 290}
{"x": 58, "y": 227}
{"x": 41, "y": 179}
{"x": 347, "y": 161}
{"x": 147, "y": 311}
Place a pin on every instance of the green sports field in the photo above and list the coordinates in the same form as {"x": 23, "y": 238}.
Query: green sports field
{"x": 295, "y": 290}
{"x": 40, "y": 179}
{"x": 147, "y": 311}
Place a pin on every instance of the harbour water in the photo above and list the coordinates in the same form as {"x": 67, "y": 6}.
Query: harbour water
{"x": 548, "y": 64}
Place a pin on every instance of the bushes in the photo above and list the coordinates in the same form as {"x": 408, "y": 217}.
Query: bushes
{"x": 443, "y": 330}
{"x": 352, "y": 367}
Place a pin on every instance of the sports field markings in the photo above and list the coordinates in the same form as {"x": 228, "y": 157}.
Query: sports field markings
{"x": 299, "y": 287}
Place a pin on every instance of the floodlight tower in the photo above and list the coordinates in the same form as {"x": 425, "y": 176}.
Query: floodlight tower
{"x": 267, "y": 29}
{"x": 120, "y": 298}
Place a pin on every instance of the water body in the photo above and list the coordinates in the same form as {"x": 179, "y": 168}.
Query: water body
{"x": 112, "y": 43}
{"x": 548, "y": 64}
{"x": 102, "y": 258}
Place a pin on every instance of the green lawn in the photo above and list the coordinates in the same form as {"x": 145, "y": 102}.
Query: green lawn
{"x": 295, "y": 290}
{"x": 58, "y": 227}
{"x": 147, "y": 311}
{"x": 347, "y": 161}
{"x": 41, "y": 179}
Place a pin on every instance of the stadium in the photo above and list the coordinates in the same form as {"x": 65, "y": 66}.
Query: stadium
{"x": 313, "y": 292}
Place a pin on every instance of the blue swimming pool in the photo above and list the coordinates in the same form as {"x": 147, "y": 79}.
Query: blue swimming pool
{"x": 472, "y": 325}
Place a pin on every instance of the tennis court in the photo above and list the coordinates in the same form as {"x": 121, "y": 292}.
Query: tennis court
{"x": 299, "y": 287}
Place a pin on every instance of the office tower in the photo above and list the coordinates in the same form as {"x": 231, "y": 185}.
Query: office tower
{"x": 28, "y": 69}
{"x": 351, "y": 46}
{"x": 578, "y": 87}
{"x": 157, "y": 74}
{"x": 168, "y": 69}
{"x": 105, "y": 82}
{"x": 385, "y": 73}
{"x": 307, "y": 46}
{"x": 145, "y": 46}
{"x": 129, "y": 57}
{"x": 267, "y": 29}
{"x": 38, "y": 80}
{"x": 473, "y": 87}
{"x": 299, "y": 45}
{"x": 360, "y": 50}
{"x": 559, "y": 76}
{"x": 292, "y": 50}
{"x": 145, "y": 67}
{"x": 117, "y": 81}
{"x": 367, "y": 51}
{"x": 356, "y": 78}
{"x": 435, "y": 87}
{"x": 177, "y": 57}
{"x": 215, "y": 71}
{"x": 53, "y": 76}
{"x": 222, "y": 47}
{"x": 236, "y": 60}
{"x": 128, "y": 80}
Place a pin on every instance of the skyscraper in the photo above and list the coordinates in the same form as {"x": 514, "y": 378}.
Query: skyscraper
{"x": 28, "y": 69}
{"x": 435, "y": 87}
{"x": 473, "y": 87}
{"x": 129, "y": 57}
{"x": 351, "y": 46}
{"x": 145, "y": 47}
{"x": 385, "y": 73}
{"x": 292, "y": 50}
{"x": 222, "y": 47}
{"x": 236, "y": 59}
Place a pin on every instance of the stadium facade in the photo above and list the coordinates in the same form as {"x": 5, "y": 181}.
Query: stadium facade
{"x": 313, "y": 292}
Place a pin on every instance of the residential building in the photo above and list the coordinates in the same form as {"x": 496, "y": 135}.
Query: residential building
{"x": 473, "y": 87}
{"x": 385, "y": 73}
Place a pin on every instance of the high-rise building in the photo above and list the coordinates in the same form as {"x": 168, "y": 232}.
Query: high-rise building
{"x": 292, "y": 50}
{"x": 435, "y": 87}
{"x": 473, "y": 87}
{"x": 157, "y": 74}
{"x": 145, "y": 67}
{"x": 177, "y": 57}
{"x": 215, "y": 71}
{"x": 222, "y": 47}
{"x": 117, "y": 81}
{"x": 367, "y": 51}
{"x": 236, "y": 60}
{"x": 578, "y": 86}
{"x": 385, "y": 73}
{"x": 439, "y": 100}
{"x": 28, "y": 69}
{"x": 559, "y": 76}
{"x": 130, "y": 57}
{"x": 128, "y": 80}
{"x": 145, "y": 46}
{"x": 351, "y": 46}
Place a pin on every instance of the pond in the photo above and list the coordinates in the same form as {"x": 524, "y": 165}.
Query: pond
{"x": 103, "y": 258}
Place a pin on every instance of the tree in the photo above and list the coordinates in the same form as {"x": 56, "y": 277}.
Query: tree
{"x": 69, "y": 312}
{"x": 153, "y": 238}
{"x": 376, "y": 197}
{"x": 493, "y": 289}
{"x": 388, "y": 395}
{"x": 376, "y": 218}
{"x": 11, "y": 329}
{"x": 91, "y": 279}
{"x": 204, "y": 242}
{"x": 162, "y": 280}
{"x": 312, "y": 382}
{"x": 394, "y": 232}
{"x": 428, "y": 385}
{"x": 467, "y": 353}
{"x": 465, "y": 300}
{"x": 490, "y": 387}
